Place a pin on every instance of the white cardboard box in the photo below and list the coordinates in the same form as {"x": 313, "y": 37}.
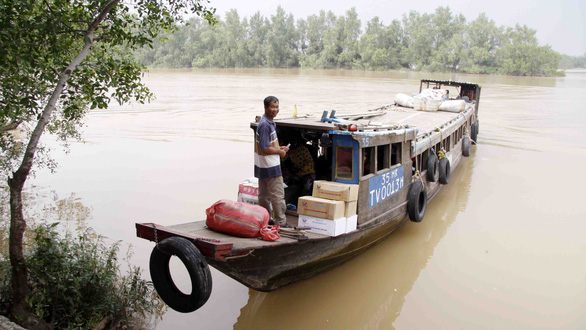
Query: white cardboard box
{"x": 351, "y": 223}
{"x": 322, "y": 226}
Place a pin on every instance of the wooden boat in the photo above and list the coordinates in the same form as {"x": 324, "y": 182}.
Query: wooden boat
{"x": 398, "y": 156}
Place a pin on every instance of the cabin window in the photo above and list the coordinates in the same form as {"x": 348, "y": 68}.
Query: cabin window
{"x": 368, "y": 160}
{"x": 344, "y": 163}
{"x": 396, "y": 154}
{"x": 382, "y": 157}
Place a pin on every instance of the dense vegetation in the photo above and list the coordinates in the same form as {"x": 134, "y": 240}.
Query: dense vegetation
{"x": 441, "y": 41}
{"x": 573, "y": 62}
{"x": 76, "y": 283}
{"x": 75, "y": 276}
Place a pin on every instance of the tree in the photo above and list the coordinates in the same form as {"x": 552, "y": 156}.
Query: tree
{"x": 447, "y": 40}
{"x": 313, "y": 36}
{"x": 59, "y": 59}
{"x": 349, "y": 34}
{"x": 380, "y": 46}
{"x": 521, "y": 54}
{"x": 482, "y": 40}
{"x": 282, "y": 40}
{"x": 418, "y": 39}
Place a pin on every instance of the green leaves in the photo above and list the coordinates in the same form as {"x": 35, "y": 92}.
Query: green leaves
{"x": 76, "y": 281}
{"x": 39, "y": 39}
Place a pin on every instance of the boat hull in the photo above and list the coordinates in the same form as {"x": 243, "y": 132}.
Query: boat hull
{"x": 270, "y": 268}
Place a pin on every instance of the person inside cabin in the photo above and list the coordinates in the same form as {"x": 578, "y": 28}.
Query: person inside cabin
{"x": 468, "y": 95}
{"x": 301, "y": 165}
{"x": 267, "y": 163}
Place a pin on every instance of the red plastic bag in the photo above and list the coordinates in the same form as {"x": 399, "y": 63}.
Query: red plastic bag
{"x": 270, "y": 233}
{"x": 238, "y": 219}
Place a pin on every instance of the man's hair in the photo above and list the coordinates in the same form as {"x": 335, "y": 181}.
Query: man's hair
{"x": 270, "y": 99}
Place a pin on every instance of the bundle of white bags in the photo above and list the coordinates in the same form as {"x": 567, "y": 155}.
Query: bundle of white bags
{"x": 430, "y": 100}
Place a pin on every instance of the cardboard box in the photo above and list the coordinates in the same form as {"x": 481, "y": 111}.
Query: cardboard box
{"x": 350, "y": 208}
{"x": 321, "y": 208}
{"x": 322, "y": 226}
{"x": 335, "y": 190}
{"x": 351, "y": 223}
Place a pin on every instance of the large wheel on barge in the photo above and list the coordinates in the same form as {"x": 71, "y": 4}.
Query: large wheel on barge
{"x": 432, "y": 168}
{"x": 474, "y": 131}
{"x": 197, "y": 267}
{"x": 444, "y": 171}
{"x": 466, "y": 145}
{"x": 417, "y": 202}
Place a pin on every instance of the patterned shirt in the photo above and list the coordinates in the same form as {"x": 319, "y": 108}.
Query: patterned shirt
{"x": 266, "y": 166}
{"x": 301, "y": 160}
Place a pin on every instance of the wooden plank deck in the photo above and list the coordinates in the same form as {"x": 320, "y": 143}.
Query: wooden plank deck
{"x": 199, "y": 229}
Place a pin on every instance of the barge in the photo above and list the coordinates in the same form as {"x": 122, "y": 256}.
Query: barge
{"x": 397, "y": 157}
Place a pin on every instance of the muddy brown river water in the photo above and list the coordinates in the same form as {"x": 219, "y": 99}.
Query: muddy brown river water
{"x": 503, "y": 246}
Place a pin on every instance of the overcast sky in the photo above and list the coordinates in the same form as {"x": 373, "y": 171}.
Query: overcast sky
{"x": 560, "y": 24}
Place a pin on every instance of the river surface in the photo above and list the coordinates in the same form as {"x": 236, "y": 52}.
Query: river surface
{"x": 503, "y": 246}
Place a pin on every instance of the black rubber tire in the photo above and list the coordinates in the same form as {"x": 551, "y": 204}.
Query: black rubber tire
{"x": 466, "y": 145}
{"x": 199, "y": 273}
{"x": 432, "y": 168}
{"x": 444, "y": 171}
{"x": 417, "y": 202}
{"x": 474, "y": 131}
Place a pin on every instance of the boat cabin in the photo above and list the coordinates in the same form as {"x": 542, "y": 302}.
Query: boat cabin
{"x": 380, "y": 150}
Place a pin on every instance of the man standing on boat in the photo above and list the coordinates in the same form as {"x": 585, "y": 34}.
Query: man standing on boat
{"x": 267, "y": 163}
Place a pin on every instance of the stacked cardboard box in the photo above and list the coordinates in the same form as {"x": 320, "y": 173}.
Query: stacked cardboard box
{"x": 331, "y": 210}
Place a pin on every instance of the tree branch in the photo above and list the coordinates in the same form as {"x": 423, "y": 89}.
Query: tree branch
{"x": 12, "y": 125}
{"x": 29, "y": 154}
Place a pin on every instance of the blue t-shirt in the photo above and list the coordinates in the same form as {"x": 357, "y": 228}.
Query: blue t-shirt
{"x": 266, "y": 166}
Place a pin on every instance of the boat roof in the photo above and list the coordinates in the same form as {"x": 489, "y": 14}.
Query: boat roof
{"x": 385, "y": 120}
{"x": 467, "y": 85}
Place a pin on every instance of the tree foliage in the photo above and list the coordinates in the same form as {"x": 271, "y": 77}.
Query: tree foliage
{"x": 573, "y": 62}
{"x": 58, "y": 60}
{"x": 76, "y": 283}
{"x": 439, "y": 41}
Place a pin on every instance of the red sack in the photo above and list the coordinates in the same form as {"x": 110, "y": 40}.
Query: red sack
{"x": 238, "y": 219}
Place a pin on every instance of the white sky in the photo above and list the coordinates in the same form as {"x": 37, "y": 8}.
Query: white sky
{"x": 560, "y": 24}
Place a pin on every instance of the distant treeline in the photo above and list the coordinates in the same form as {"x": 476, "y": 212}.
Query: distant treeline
{"x": 438, "y": 42}
{"x": 573, "y": 62}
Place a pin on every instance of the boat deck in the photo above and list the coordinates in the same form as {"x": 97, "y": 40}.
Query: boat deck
{"x": 198, "y": 229}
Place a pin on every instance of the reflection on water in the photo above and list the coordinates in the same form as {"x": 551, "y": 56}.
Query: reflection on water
{"x": 369, "y": 291}
{"x": 41, "y": 205}
{"x": 501, "y": 246}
